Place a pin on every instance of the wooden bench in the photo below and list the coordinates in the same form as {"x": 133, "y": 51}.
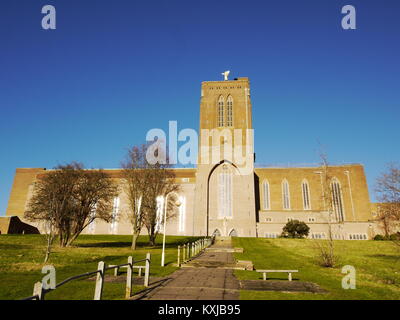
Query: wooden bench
{"x": 116, "y": 270}
{"x": 289, "y": 272}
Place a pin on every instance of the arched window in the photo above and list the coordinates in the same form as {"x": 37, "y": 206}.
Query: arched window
{"x": 225, "y": 193}
{"x": 92, "y": 216}
{"x": 233, "y": 233}
{"x": 221, "y": 111}
{"x": 285, "y": 195}
{"x": 216, "y": 233}
{"x": 114, "y": 216}
{"x": 229, "y": 113}
{"x": 337, "y": 200}
{"x": 266, "y": 195}
{"x": 182, "y": 213}
{"x": 305, "y": 188}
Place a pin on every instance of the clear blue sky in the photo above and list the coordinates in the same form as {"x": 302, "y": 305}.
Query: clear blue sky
{"x": 112, "y": 70}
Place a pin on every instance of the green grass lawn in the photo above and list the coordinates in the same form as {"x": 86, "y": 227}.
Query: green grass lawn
{"x": 21, "y": 262}
{"x": 377, "y": 265}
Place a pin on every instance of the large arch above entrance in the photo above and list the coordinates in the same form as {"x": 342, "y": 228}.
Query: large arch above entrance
{"x": 223, "y": 162}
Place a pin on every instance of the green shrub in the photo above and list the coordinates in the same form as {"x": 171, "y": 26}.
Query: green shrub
{"x": 295, "y": 229}
{"x": 394, "y": 237}
{"x": 379, "y": 237}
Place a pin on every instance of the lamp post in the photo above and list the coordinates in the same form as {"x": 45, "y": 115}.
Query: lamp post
{"x": 165, "y": 220}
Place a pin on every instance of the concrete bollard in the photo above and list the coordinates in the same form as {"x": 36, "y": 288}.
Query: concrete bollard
{"x": 147, "y": 271}
{"x": 128, "y": 290}
{"x": 98, "y": 292}
{"x": 184, "y": 253}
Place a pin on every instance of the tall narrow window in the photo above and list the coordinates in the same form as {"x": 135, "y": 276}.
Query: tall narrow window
{"x": 159, "y": 213}
{"x": 182, "y": 213}
{"x": 306, "y": 195}
{"x": 285, "y": 195}
{"x": 266, "y": 196}
{"x": 92, "y": 216}
{"x": 225, "y": 193}
{"x": 337, "y": 200}
{"x": 221, "y": 111}
{"x": 229, "y": 113}
{"x": 114, "y": 216}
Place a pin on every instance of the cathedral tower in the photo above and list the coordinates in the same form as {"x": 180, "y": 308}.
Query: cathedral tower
{"x": 224, "y": 196}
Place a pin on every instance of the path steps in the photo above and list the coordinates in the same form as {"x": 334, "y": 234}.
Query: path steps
{"x": 209, "y": 276}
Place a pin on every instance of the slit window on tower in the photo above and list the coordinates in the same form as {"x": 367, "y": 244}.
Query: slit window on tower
{"x": 221, "y": 111}
{"x": 229, "y": 114}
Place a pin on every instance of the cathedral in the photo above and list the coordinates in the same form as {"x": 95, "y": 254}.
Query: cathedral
{"x": 227, "y": 195}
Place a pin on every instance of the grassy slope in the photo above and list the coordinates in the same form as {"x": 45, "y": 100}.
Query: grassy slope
{"x": 21, "y": 261}
{"x": 377, "y": 265}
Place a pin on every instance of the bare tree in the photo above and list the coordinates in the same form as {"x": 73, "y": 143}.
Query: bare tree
{"x": 161, "y": 184}
{"x": 92, "y": 199}
{"x": 65, "y": 199}
{"x": 388, "y": 194}
{"x": 136, "y": 186}
{"x": 50, "y": 235}
{"x": 326, "y": 248}
{"x": 145, "y": 183}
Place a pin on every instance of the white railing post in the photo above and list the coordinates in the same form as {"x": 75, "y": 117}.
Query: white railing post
{"x": 184, "y": 253}
{"x": 129, "y": 271}
{"x": 98, "y": 292}
{"x": 147, "y": 271}
{"x": 38, "y": 290}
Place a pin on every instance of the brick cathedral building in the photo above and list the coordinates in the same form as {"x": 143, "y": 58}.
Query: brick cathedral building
{"x": 228, "y": 196}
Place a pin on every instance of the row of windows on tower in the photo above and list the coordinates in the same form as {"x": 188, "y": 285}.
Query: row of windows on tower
{"x": 337, "y": 199}
{"x": 225, "y": 112}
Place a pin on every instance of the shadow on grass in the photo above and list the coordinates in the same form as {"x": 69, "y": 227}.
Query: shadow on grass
{"x": 279, "y": 279}
{"x": 10, "y": 246}
{"x": 388, "y": 257}
{"x": 104, "y": 245}
{"x": 126, "y": 244}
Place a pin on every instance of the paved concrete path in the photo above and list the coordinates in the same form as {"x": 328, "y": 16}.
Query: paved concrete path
{"x": 204, "y": 278}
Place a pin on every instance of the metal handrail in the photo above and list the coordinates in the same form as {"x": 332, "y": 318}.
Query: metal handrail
{"x": 73, "y": 278}
{"x": 86, "y": 274}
